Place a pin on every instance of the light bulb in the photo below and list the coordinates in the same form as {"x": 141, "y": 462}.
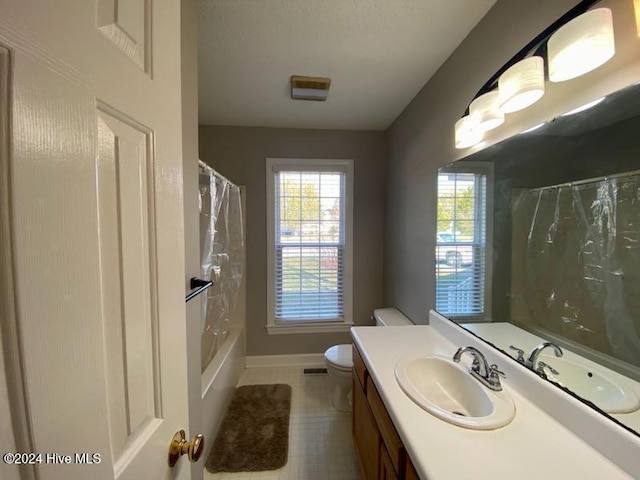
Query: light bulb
{"x": 466, "y": 132}
{"x": 485, "y": 110}
{"x": 521, "y": 85}
{"x": 581, "y": 45}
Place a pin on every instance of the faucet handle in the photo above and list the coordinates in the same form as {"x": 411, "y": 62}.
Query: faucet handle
{"x": 520, "y": 353}
{"x": 493, "y": 378}
{"x": 543, "y": 365}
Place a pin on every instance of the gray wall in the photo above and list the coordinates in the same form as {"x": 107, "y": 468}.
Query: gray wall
{"x": 239, "y": 154}
{"x": 421, "y": 140}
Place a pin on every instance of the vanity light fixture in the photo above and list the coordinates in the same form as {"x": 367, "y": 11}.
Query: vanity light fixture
{"x": 486, "y": 112}
{"x": 581, "y": 45}
{"x": 584, "y": 107}
{"x": 521, "y": 85}
{"x": 576, "y": 43}
{"x": 466, "y": 132}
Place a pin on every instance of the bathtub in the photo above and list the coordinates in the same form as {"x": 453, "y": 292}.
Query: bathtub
{"x": 219, "y": 381}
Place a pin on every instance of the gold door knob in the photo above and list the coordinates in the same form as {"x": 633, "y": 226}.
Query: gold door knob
{"x": 179, "y": 446}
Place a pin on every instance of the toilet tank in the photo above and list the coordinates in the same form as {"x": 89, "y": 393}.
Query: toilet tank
{"x": 390, "y": 317}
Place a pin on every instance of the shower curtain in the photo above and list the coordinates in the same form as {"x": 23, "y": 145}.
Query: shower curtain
{"x": 575, "y": 263}
{"x": 222, "y": 257}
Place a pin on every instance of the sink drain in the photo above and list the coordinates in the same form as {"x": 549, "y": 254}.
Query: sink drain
{"x": 459, "y": 413}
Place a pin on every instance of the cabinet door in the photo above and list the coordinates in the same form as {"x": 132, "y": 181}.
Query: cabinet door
{"x": 388, "y": 432}
{"x": 365, "y": 434}
{"x": 411, "y": 471}
{"x": 359, "y": 368}
{"x": 386, "y": 466}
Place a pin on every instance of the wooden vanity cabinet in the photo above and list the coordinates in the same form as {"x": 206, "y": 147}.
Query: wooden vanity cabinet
{"x": 365, "y": 433}
{"x": 411, "y": 471}
{"x": 380, "y": 451}
{"x": 387, "y": 472}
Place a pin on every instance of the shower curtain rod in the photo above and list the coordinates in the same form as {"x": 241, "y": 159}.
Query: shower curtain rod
{"x": 215, "y": 173}
{"x": 587, "y": 180}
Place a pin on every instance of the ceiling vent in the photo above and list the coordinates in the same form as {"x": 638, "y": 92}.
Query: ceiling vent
{"x": 309, "y": 88}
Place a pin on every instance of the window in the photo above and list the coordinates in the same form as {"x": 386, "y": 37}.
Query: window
{"x": 463, "y": 233}
{"x": 309, "y": 245}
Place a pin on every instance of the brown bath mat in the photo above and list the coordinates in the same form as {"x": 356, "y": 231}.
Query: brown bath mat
{"x": 254, "y": 434}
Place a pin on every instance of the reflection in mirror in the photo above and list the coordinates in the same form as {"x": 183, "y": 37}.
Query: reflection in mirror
{"x": 549, "y": 250}
{"x": 462, "y": 233}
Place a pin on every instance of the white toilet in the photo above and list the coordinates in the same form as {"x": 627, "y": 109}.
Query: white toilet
{"x": 339, "y": 361}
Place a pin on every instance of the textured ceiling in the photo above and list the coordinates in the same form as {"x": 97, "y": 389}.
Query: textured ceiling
{"x": 378, "y": 54}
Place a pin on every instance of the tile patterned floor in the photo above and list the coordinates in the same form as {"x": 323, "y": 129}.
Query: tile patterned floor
{"x": 320, "y": 445}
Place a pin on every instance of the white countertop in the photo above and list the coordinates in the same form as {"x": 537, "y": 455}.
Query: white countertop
{"x": 533, "y": 446}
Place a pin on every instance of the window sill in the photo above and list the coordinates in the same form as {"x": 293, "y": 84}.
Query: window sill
{"x": 309, "y": 328}
{"x": 467, "y": 318}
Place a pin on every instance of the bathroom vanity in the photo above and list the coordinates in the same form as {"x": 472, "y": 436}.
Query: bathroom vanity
{"x": 547, "y": 438}
{"x": 379, "y": 448}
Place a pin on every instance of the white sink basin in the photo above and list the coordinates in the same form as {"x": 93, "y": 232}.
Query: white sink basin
{"x": 448, "y": 391}
{"x": 607, "y": 394}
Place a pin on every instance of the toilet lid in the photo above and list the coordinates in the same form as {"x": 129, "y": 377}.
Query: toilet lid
{"x": 340, "y": 356}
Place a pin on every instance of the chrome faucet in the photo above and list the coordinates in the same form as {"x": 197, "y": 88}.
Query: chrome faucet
{"x": 488, "y": 375}
{"x": 537, "y": 366}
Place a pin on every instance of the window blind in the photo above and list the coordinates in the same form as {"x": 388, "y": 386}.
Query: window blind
{"x": 460, "y": 244}
{"x": 310, "y": 246}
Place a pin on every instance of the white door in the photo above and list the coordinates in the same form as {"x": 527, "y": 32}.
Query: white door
{"x": 98, "y": 236}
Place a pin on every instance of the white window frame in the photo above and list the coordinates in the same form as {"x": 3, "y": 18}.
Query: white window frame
{"x": 482, "y": 168}
{"x": 310, "y": 165}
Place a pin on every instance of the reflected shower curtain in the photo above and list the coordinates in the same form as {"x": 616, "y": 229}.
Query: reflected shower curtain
{"x": 222, "y": 257}
{"x": 576, "y": 263}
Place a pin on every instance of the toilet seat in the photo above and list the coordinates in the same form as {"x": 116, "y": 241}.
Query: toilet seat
{"x": 340, "y": 357}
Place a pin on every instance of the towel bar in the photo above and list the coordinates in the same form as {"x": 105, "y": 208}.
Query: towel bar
{"x": 199, "y": 285}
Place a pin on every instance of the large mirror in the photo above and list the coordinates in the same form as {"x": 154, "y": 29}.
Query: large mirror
{"x": 539, "y": 241}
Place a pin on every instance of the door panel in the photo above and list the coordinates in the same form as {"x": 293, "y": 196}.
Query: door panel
{"x": 126, "y": 24}
{"x": 97, "y": 208}
{"x": 125, "y": 180}
{"x": 56, "y": 261}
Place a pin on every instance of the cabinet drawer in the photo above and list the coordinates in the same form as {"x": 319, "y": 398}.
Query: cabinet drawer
{"x": 359, "y": 368}
{"x": 388, "y": 432}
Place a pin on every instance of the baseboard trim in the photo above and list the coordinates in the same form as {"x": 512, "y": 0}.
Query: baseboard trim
{"x": 301, "y": 360}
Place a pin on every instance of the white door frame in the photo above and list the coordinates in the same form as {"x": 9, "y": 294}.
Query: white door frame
{"x": 190, "y": 171}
